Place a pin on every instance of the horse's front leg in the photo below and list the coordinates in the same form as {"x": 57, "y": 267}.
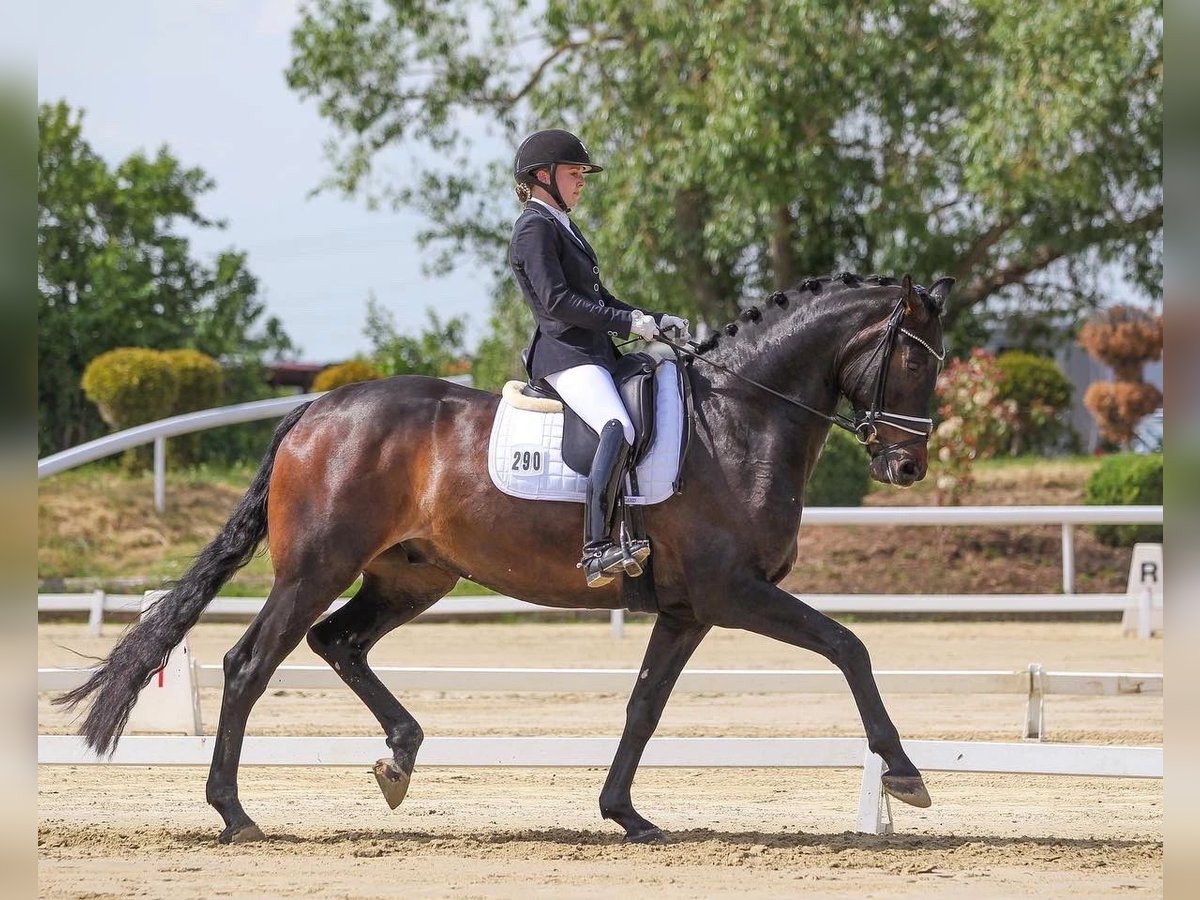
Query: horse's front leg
{"x": 671, "y": 644}
{"x": 759, "y": 606}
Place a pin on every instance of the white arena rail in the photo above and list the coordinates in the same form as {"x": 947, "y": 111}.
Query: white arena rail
{"x": 1032, "y": 683}
{"x": 873, "y": 809}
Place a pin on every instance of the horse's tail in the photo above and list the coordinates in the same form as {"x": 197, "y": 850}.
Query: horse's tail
{"x": 144, "y": 649}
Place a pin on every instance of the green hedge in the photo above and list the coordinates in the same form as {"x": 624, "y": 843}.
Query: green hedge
{"x": 842, "y": 476}
{"x": 1127, "y": 479}
{"x": 1036, "y": 383}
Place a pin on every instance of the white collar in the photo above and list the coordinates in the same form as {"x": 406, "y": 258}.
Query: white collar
{"x": 562, "y": 217}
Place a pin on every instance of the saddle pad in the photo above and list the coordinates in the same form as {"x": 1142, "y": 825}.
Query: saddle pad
{"x": 525, "y": 451}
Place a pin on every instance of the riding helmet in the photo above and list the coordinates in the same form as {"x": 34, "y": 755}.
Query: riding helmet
{"x": 544, "y": 149}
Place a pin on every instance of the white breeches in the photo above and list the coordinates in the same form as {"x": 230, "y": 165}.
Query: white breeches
{"x": 591, "y": 394}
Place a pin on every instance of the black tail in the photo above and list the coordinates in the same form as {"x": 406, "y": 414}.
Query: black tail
{"x": 145, "y": 648}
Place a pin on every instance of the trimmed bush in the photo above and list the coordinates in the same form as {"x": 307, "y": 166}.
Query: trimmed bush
{"x": 201, "y": 386}
{"x": 131, "y": 386}
{"x": 1043, "y": 397}
{"x": 351, "y": 372}
{"x": 1127, "y": 479}
{"x": 842, "y": 476}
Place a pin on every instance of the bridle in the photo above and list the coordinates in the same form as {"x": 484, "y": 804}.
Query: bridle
{"x": 865, "y": 425}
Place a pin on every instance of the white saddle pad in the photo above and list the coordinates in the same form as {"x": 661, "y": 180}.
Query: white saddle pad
{"x": 525, "y": 451}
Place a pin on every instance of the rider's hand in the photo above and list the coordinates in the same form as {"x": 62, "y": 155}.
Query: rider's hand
{"x": 669, "y": 324}
{"x": 643, "y": 326}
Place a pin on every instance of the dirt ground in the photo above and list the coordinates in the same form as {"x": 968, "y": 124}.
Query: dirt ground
{"x": 147, "y": 832}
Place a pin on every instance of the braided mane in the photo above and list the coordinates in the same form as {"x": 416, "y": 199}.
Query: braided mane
{"x": 781, "y": 299}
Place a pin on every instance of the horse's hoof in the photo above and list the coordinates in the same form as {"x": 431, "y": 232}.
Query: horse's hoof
{"x": 392, "y": 782}
{"x": 909, "y": 789}
{"x": 653, "y": 836}
{"x": 247, "y": 834}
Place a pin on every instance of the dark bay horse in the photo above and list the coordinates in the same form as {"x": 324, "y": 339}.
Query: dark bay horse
{"x": 389, "y": 479}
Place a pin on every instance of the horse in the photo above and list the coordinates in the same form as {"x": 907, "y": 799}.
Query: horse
{"x": 388, "y": 479}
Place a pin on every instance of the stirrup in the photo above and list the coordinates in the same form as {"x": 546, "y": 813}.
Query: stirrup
{"x": 636, "y": 551}
{"x": 604, "y": 563}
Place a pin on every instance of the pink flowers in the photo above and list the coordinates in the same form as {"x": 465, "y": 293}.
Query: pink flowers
{"x": 975, "y": 423}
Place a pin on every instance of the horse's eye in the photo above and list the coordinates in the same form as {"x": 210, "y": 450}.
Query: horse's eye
{"x": 913, "y": 365}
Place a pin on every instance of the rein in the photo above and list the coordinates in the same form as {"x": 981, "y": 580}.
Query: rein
{"x": 865, "y": 427}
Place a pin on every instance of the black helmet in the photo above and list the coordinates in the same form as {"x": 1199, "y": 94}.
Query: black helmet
{"x": 543, "y": 149}
{"x": 548, "y": 150}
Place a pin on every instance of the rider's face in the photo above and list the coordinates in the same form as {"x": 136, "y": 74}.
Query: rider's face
{"x": 570, "y": 183}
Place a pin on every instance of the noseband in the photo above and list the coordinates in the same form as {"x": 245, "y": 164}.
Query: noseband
{"x": 864, "y": 426}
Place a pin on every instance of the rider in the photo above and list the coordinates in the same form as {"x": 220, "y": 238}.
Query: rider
{"x": 574, "y": 317}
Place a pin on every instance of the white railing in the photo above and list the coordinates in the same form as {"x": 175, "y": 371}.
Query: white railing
{"x": 159, "y": 431}
{"x": 1033, "y": 683}
{"x": 97, "y": 603}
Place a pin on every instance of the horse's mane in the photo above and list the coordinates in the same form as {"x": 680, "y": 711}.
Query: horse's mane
{"x": 782, "y": 299}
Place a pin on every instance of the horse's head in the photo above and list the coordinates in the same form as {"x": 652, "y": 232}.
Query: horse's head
{"x": 888, "y": 372}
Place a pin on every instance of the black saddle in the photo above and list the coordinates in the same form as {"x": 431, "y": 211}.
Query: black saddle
{"x": 635, "y": 382}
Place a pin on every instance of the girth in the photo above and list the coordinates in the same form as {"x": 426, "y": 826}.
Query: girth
{"x": 634, "y": 378}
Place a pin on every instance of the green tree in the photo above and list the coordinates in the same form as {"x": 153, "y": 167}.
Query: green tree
{"x": 1013, "y": 144}
{"x": 114, "y": 271}
{"x": 438, "y": 350}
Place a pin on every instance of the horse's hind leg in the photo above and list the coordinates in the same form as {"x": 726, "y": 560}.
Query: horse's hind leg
{"x": 672, "y": 642}
{"x": 294, "y": 604}
{"x": 386, "y": 600}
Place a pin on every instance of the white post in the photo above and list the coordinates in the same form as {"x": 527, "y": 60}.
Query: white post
{"x": 1035, "y": 706}
{"x": 874, "y": 811}
{"x": 96, "y": 614}
{"x": 171, "y": 701}
{"x": 616, "y": 620}
{"x": 1068, "y": 558}
{"x": 160, "y": 474}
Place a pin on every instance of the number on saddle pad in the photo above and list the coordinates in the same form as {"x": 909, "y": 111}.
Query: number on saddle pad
{"x": 527, "y": 459}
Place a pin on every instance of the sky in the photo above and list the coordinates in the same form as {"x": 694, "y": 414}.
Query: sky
{"x": 205, "y": 78}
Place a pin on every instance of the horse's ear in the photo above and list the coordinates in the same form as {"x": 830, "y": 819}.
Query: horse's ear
{"x": 940, "y": 292}
{"x": 912, "y": 303}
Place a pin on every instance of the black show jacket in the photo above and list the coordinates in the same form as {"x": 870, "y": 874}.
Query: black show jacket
{"x": 574, "y": 313}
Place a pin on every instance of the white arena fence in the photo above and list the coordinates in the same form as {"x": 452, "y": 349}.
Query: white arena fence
{"x": 1033, "y": 683}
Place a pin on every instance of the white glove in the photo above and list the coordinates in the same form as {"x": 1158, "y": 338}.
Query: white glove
{"x": 643, "y": 326}
{"x": 677, "y": 325}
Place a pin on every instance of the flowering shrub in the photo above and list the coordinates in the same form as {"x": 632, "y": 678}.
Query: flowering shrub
{"x": 975, "y": 423}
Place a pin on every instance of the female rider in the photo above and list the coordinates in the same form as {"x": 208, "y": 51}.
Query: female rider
{"x": 574, "y": 316}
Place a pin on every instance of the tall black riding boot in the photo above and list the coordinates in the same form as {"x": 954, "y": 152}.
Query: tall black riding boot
{"x": 602, "y": 560}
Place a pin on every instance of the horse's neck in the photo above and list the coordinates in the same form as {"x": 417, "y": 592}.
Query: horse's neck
{"x": 778, "y": 442}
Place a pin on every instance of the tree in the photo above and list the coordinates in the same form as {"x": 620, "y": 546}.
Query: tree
{"x": 1013, "y": 144}
{"x": 437, "y": 351}
{"x": 1124, "y": 338}
{"x": 113, "y": 271}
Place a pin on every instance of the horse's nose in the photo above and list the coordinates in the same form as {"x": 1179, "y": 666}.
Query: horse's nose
{"x": 909, "y": 470}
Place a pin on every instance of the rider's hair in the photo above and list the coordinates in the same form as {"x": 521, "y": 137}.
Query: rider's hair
{"x": 524, "y": 192}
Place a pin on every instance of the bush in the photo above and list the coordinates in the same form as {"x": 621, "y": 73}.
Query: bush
{"x": 131, "y": 386}
{"x": 975, "y": 423}
{"x": 201, "y": 384}
{"x": 842, "y": 476}
{"x": 347, "y": 373}
{"x": 1043, "y": 397}
{"x": 1127, "y": 479}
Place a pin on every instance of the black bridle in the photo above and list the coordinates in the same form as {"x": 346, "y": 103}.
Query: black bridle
{"x": 865, "y": 425}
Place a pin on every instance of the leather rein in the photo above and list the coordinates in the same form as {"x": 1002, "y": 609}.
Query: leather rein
{"x": 864, "y": 426}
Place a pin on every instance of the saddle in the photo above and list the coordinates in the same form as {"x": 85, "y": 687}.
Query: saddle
{"x": 635, "y": 381}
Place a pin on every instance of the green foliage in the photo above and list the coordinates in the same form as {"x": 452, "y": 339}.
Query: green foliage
{"x": 131, "y": 386}
{"x": 842, "y": 476}
{"x": 498, "y": 356}
{"x": 351, "y": 372}
{"x": 1127, "y": 480}
{"x": 976, "y": 423}
{"x": 1042, "y": 394}
{"x": 1015, "y": 145}
{"x": 115, "y": 271}
{"x": 437, "y": 351}
{"x": 200, "y": 384}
